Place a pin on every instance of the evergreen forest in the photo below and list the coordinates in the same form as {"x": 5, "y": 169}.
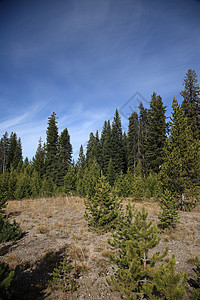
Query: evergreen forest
{"x": 158, "y": 158}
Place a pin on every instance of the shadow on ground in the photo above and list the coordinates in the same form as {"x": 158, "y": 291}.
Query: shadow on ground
{"x": 31, "y": 282}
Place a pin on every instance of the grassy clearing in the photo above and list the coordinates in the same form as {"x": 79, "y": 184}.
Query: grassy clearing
{"x": 55, "y": 229}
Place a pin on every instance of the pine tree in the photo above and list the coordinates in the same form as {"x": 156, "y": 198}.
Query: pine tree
{"x": 4, "y": 148}
{"x": 195, "y": 281}
{"x": 170, "y": 285}
{"x": 156, "y": 134}
{"x": 169, "y": 215}
{"x": 133, "y": 141}
{"x": 52, "y": 148}
{"x": 106, "y": 146}
{"x": 89, "y": 152}
{"x": 15, "y": 151}
{"x": 64, "y": 155}
{"x": 191, "y": 102}
{"x": 102, "y": 209}
{"x": 70, "y": 180}
{"x": 143, "y": 121}
{"x": 81, "y": 162}
{"x": 135, "y": 266}
{"x": 6, "y": 278}
{"x": 117, "y": 152}
{"x": 39, "y": 159}
{"x": 181, "y": 167}
{"x": 90, "y": 178}
{"x": 110, "y": 174}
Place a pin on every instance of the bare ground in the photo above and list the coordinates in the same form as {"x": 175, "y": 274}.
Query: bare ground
{"x": 55, "y": 228}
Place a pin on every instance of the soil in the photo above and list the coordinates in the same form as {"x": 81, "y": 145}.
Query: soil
{"x": 55, "y": 228}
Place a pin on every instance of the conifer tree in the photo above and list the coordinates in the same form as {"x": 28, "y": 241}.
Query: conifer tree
{"x": 143, "y": 121}
{"x": 15, "y": 151}
{"x": 135, "y": 266}
{"x": 81, "y": 162}
{"x": 191, "y": 102}
{"x": 64, "y": 155}
{"x": 106, "y": 146}
{"x": 39, "y": 159}
{"x": 181, "y": 168}
{"x": 169, "y": 284}
{"x": 102, "y": 209}
{"x": 117, "y": 153}
{"x": 169, "y": 215}
{"x": 70, "y": 180}
{"x": 4, "y": 148}
{"x": 52, "y": 148}
{"x": 90, "y": 178}
{"x": 156, "y": 134}
{"x": 133, "y": 141}
{"x": 89, "y": 149}
{"x": 110, "y": 174}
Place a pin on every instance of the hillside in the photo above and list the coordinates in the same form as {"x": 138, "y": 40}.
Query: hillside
{"x": 55, "y": 228}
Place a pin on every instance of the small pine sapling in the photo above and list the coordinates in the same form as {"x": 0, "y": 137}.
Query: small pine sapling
{"x": 169, "y": 215}
{"x": 195, "y": 282}
{"x": 63, "y": 278}
{"x": 6, "y": 278}
{"x": 135, "y": 267}
{"x": 102, "y": 209}
{"x": 170, "y": 285}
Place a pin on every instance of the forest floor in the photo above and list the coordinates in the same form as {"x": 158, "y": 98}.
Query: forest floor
{"x": 55, "y": 228}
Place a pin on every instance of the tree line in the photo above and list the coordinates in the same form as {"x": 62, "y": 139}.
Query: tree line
{"x": 151, "y": 156}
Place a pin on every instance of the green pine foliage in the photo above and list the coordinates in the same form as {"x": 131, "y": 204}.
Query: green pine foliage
{"x": 70, "y": 180}
{"x": 102, "y": 209}
{"x": 169, "y": 214}
{"x": 134, "y": 154}
{"x": 181, "y": 168}
{"x": 123, "y": 185}
{"x": 155, "y": 134}
{"x": 191, "y": 102}
{"x": 64, "y": 155}
{"x": 117, "y": 146}
{"x": 195, "y": 282}
{"x": 106, "y": 144}
{"x": 52, "y": 149}
{"x": 8, "y": 231}
{"x": 6, "y": 279}
{"x": 39, "y": 159}
{"x": 131, "y": 244}
{"x": 64, "y": 278}
{"x": 110, "y": 174}
{"x": 169, "y": 284}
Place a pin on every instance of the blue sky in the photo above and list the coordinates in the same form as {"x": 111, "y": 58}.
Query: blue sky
{"x": 85, "y": 58}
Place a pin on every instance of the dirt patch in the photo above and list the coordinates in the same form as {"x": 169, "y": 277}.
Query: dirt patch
{"x": 55, "y": 228}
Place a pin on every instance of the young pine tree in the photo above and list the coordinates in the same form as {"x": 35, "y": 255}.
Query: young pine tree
{"x": 169, "y": 215}
{"x": 102, "y": 209}
{"x": 133, "y": 240}
{"x": 169, "y": 284}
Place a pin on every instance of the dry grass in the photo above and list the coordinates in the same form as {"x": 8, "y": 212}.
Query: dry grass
{"x": 55, "y": 228}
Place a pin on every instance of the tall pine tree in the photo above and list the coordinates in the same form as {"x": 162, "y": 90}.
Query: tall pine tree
{"x": 64, "y": 155}
{"x": 181, "y": 168}
{"x": 52, "y": 148}
{"x": 191, "y": 102}
{"x": 117, "y": 152}
{"x": 156, "y": 134}
{"x": 133, "y": 141}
